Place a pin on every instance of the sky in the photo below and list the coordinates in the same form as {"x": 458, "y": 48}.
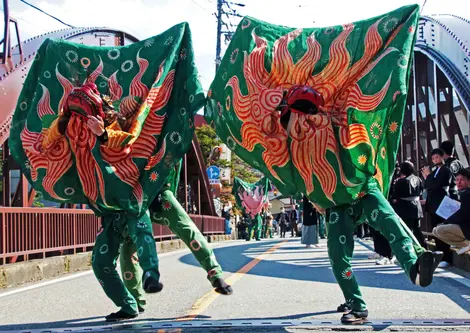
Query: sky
{"x": 146, "y": 18}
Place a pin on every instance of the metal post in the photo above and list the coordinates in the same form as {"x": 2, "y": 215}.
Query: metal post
{"x": 24, "y": 192}
{"x": 6, "y": 32}
{"x": 218, "y": 49}
{"x": 6, "y": 176}
{"x": 199, "y": 195}
{"x": 416, "y": 113}
{"x": 436, "y": 103}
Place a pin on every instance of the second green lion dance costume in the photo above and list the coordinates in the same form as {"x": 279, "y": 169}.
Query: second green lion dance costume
{"x": 319, "y": 111}
{"x": 115, "y": 153}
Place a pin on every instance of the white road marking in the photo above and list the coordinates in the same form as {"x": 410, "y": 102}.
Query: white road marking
{"x": 45, "y": 283}
{"x": 72, "y": 276}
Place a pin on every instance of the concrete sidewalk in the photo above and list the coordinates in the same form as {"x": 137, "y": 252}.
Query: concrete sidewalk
{"x": 12, "y": 275}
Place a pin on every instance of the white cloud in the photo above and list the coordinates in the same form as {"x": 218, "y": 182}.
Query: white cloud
{"x": 145, "y": 18}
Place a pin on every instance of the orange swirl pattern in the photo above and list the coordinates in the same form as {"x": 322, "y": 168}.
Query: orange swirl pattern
{"x": 137, "y": 88}
{"x": 44, "y": 104}
{"x": 122, "y": 158}
{"x": 82, "y": 141}
{"x": 56, "y": 159}
{"x": 96, "y": 73}
{"x": 312, "y": 136}
{"x": 67, "y": 86}
{"x": 115, "y": 89}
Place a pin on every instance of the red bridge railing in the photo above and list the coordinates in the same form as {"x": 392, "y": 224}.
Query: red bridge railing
{"x": 31, "y": 233}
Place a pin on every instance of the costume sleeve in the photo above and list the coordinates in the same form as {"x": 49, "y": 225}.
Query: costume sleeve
{"x": 117, "y": 137}
{"x": 52, "y": 134}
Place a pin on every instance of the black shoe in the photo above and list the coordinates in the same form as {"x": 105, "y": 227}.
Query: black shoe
{"x": 422, "y": 271}
{"x": 120, "y": 316}
{"x": 151, "y": 285}
{"x": 345, "y": 307}
{"x": 222, "y": 287}
{"x": 355, "y": 317}
{"x": 141, "y": 309}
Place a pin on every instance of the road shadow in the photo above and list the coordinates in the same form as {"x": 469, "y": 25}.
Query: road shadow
{"x": 232, "y": 258}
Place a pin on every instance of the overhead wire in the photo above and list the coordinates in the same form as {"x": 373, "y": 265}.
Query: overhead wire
{"x": 42, "y": 11}
{"x": 201, "y": 6}
{"x": 27, "y": 22}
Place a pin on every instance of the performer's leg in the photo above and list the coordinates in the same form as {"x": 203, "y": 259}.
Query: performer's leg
{"x": 173, "y": 215}
{"x": 258, "y": 227}
{"x": 132, "y": 273}
{"x": 406, "y": 248}
{"x": 141, "y": 233}
{"x": 340, "y": 250}
{"x": 104, "y": 257}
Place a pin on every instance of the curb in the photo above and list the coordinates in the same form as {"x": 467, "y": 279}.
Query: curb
{"x": 461, "y": 261}
{"x": 13, "y": 275}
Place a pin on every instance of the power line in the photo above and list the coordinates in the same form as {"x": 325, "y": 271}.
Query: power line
{"x": 52, "y": 16}
{"x": 26, "y": 21}
{"x": 200, "y": 6}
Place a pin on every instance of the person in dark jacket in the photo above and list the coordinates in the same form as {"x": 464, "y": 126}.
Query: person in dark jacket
{"x": 454, "y": 166}
{"x": 405, "y": 200}
{"x": 456, "y": 229}
{"x": 309, "y": 226}
{"x": 437, "y": 185}
{"x": 293, "y": 221}
{"x": 283, "y": 220}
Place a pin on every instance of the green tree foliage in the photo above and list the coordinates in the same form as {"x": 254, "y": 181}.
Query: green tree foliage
{"x": 207, "y": 140}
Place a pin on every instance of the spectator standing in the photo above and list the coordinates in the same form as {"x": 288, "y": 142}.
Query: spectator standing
{"x": 406, "y": 200}
{"x": 437, "y": 185}
{"x": 454, "y": 166}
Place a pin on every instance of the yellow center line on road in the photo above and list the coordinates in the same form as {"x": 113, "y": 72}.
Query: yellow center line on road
{"x": 201, "y": 304}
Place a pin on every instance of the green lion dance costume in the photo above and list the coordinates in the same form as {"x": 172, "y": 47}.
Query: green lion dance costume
{"x": 319, "y": 111}
{"x": 115, "y": 152}
{"x": 252, "y": 198}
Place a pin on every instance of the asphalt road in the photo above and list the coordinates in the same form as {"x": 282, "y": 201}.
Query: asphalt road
{"x": 274, "y": 281}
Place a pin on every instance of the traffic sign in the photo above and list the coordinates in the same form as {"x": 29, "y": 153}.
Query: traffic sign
{"x": 213, "y": 172}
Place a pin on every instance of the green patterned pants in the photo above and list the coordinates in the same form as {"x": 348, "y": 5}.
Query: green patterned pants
{"x": 118, "y": 229}
{"x": 255, "y": 228}
{"x": 179, "y": 222}
{"x": 321, "y": 222}
{"x": 375, "y": 210}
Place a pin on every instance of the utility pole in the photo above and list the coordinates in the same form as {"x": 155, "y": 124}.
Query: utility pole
{"x": 219, "y": 34}
{"x": 228, "y": 11}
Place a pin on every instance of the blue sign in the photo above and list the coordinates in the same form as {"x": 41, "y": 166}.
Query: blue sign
{"x": 213, "y": 172}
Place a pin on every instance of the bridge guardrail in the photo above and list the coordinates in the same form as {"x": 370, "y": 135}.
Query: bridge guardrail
{"x": 38, "y": 233}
